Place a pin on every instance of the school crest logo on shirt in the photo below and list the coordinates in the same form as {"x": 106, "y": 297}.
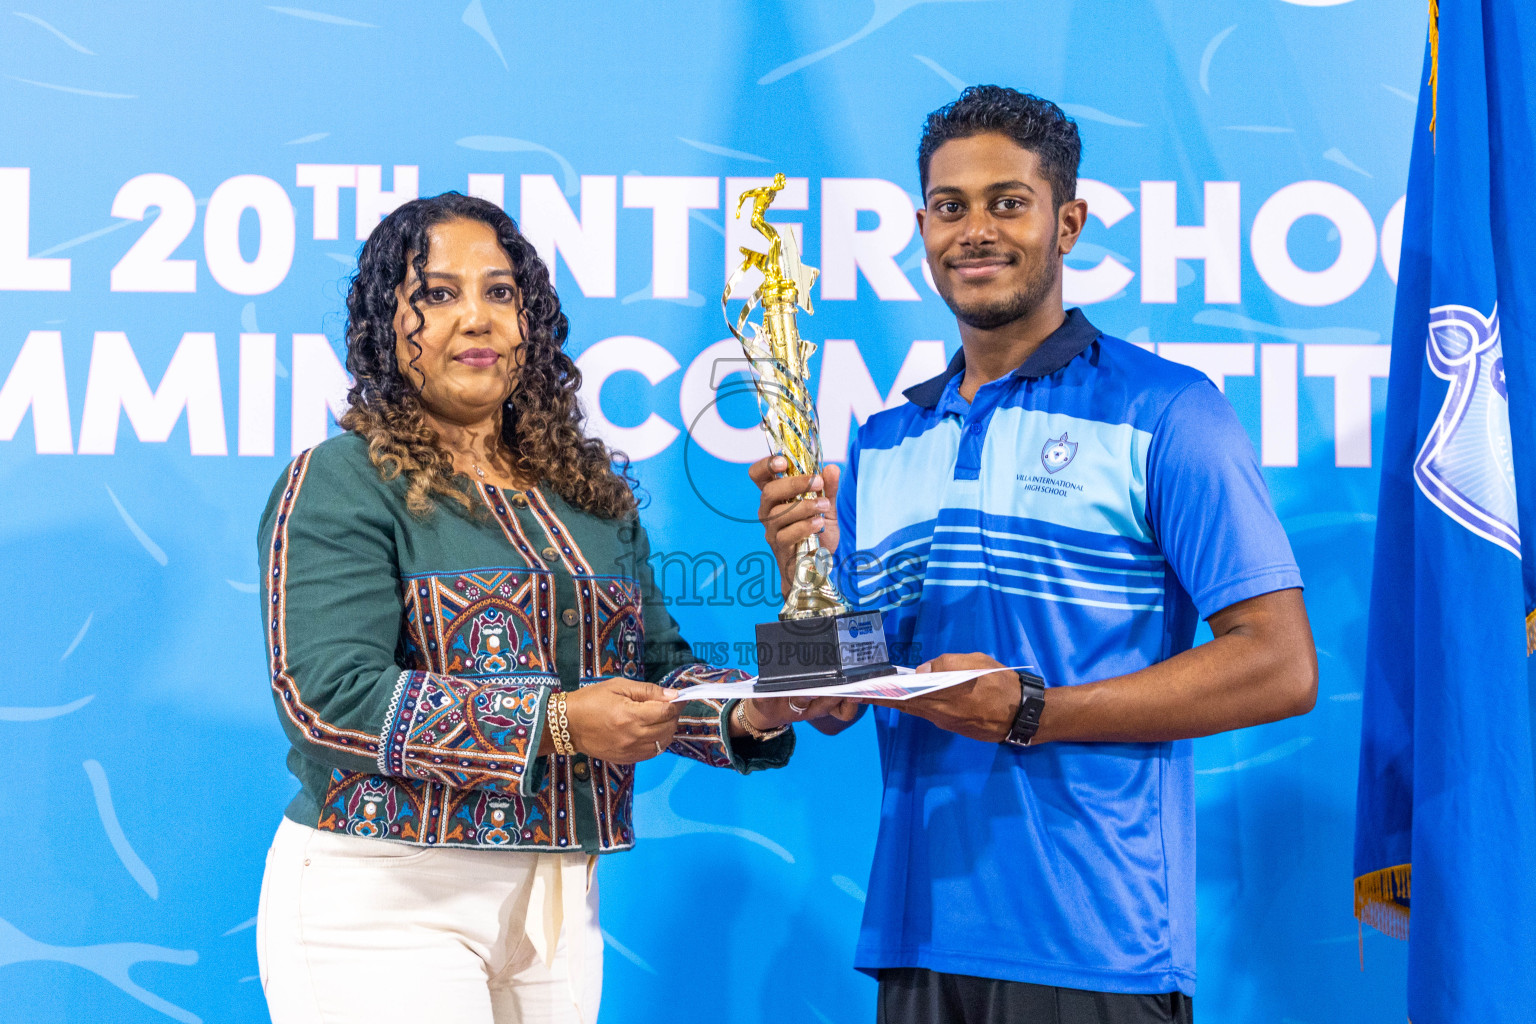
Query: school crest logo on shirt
{"x": 1058, "y": 453}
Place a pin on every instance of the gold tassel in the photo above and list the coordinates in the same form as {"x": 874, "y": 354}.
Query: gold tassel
{"x": 1379, "y": 896}
{"x": 1434, "y": 63}
{"x": 1530, "y": 634}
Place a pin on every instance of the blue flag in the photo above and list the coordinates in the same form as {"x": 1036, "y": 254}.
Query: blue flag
{"x": 1446, "y": 818}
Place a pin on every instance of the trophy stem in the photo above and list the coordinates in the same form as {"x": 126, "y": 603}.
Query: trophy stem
{"x": 812, "y": 593}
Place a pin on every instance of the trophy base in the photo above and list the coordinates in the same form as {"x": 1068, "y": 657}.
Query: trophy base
{"x": 823, "y": 651}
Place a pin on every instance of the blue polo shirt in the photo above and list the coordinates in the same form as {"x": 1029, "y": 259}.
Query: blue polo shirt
{"x": 1080, "y": 515}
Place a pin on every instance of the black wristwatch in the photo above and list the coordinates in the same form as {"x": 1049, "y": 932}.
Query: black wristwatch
{"x": 1027, "y": 719}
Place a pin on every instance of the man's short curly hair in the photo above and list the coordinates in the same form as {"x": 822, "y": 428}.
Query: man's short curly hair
{"x": 1035, "y": 124}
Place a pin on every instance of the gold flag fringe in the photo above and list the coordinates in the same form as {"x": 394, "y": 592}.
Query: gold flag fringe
{"x": 1530, "y": 634}
{"x": 1434, "y": 63}
{"x": 1378, "y": 896}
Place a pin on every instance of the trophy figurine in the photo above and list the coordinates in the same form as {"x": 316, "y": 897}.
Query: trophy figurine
{"x": 816, "y": 641}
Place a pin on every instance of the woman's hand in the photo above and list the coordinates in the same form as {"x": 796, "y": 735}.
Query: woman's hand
{"x": 621, "y": 720}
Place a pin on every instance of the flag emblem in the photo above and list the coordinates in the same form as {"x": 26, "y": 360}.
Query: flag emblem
{"x": 1466, "y": 466}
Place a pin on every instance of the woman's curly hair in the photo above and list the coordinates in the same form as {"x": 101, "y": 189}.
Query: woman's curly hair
{"x": 541, "y": 422}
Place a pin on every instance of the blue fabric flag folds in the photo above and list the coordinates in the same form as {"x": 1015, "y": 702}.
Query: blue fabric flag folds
{"x": 1446, "y": 818}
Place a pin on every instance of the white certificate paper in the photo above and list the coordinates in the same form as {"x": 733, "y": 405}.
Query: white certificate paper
{"x": 904, "y": 685}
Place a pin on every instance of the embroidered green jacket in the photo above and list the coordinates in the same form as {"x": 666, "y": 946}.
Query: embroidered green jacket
{"x": 412, "y": 660}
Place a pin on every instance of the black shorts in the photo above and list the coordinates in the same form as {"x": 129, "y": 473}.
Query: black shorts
{"x": 914, "y": 995}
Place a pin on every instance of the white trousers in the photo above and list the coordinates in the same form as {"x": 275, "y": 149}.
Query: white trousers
{"x": 359, "y": 930}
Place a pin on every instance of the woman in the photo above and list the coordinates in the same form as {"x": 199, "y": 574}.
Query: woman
{"x": 468, "y": 654}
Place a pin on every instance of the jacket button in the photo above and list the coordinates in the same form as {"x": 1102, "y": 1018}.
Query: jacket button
{"x": 550, "y": 554}
{"x": 581, "y": 771}
{"x": 569, "y": 617}
{"x": 520, "y": 500}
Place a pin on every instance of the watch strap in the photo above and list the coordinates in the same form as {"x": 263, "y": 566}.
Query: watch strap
{"x": 1031, "y": 703}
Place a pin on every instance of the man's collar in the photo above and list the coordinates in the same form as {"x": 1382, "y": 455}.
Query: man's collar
{"x": 1058, "y": 349}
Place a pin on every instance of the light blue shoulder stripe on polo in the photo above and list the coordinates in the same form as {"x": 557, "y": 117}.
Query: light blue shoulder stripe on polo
{"x": 1011, "y": 543}
{"x": 906, "y": 472}
{"x": 1111, "y": 603}
{"x": 982, "y": 557}
{"x": 1021, "y": 534}
{"x": 1103, "y": 489}
{"x": 896, "y": 575}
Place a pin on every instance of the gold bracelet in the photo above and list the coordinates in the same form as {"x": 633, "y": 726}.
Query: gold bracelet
{"x": 740, "y": 714}
{"x": 565, "y": 728}
{"x": 559, "y": 726}
{"x": 552, "y": 721}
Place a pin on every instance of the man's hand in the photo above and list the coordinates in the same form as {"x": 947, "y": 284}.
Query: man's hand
{"x": 982, "y": 709}
{"x": 838, "y": 717}
{"x": 788, "y": 518}
{"x": 621, "y": 720}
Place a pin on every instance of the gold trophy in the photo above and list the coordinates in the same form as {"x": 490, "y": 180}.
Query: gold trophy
{"x": 816, "y": 641}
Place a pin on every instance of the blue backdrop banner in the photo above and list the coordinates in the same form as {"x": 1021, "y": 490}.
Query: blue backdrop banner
{"x": 183, "y": 191}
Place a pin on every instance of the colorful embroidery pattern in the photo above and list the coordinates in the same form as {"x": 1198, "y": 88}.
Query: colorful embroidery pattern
{"x": 701, "y": 729}
{"x": 429, "y": 813}
{"x": 464, "y": 732}
{"x": 508, "y": 522}
{"x": 559, "y": 537}
{"x": 316, "y": 729}
{"x": 485, "y": 623}
{"x": 483, "y": 818}
{"x": 612, "y": 627}
{"x": 613, "y": 799}
{"x": 371, "y": 806}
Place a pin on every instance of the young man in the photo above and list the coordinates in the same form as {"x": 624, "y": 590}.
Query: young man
{"x": 1063, "y": 501}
